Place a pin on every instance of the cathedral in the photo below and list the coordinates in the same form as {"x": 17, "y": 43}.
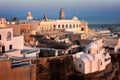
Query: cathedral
{"x": 74, "y": 25}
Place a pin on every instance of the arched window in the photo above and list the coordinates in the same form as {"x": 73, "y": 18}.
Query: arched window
{"x": 101, "y": 63}
{"x": 80, "y": 65}
{"x": 73, "y": 25}
{"x": 62, "y": 26}
{"x": 0, "y": 37}
{"x": 70, "y": 26}
{"x": 58, "y": 26}
{"x": 77, "y": 25}
{"x": 82, "y": 29}
{"x": 54, "y": 26}
{"x": 9, "y": 36}
{"x": 88, "y": 51}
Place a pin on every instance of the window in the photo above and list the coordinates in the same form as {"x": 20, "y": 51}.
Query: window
{"x": 74, "y": 26}
{"x": 80, "y": 65}
{"x": 88, "y": 51}
{"x": 62, "y": 26}
{"x": 0, "y": 37}
{"x": 9, "y": 36}
{"x": 54, "y": 26}
{"x": 82, "y": 29}
{"x": 77, "y": 25}
{"x": 58, "y": 26}
{"x": 101, "y": 63}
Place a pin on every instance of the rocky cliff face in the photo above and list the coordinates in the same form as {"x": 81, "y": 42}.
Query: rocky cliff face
{"x": 54, "y": 68}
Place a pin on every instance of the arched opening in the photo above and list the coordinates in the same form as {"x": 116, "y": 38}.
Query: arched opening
{"x": 9, "y": 36}
{"x": 82, "y": 29}
{"x": 88, "y": 51}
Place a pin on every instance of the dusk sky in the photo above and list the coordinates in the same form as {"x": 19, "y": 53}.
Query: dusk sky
{"x": 81, "y": 8}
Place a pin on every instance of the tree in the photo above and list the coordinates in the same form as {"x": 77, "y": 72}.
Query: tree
{"x": 14, "y": 19}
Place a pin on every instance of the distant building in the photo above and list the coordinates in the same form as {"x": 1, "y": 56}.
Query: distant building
{"x": 74, "y": 26}
{"x": 29, "y": 16}
{"x": 93, "y": 59}
{"x": 41, "y": 26}
{"x": 3, "y": 22}
{"x": 112, "y": 44}
{"x": 104, "y": 31}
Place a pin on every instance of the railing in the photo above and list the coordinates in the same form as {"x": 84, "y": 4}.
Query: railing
{"x": 19, "y": 63}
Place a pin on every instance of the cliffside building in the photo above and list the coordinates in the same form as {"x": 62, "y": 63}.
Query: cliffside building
{"x": 93, "y": 59}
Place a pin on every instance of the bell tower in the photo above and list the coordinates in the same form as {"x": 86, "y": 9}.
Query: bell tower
{"x": 45, "y": 17}
{"x": 62, "y": 14}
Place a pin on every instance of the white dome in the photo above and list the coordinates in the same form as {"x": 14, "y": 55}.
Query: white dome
{"x": 29, "y": 16}
{"x": 92, "y": 45}
{"x": 75, "y": 18}
{"x": 29, "y": 12}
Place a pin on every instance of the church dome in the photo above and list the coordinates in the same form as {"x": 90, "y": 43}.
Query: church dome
{"x": 29, "y": 16}
{"x": 92, "y": 45}
{"x": 92, "y": 48}
{"x": 75, "y": 18}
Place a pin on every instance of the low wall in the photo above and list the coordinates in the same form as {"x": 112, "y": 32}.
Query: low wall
{"x": 5, "y": 70}
{"x": 23, "y": 73}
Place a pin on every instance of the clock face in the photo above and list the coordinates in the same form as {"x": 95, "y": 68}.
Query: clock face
{"x": 9, "y": 36}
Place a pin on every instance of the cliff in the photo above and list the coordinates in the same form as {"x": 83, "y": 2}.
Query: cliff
{"x": 54, "y": 68}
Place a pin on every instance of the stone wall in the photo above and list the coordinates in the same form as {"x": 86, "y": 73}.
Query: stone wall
{"x": 18, "y": 73}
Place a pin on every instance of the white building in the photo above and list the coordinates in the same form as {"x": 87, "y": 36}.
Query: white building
{"x": 3, "y": 22}
{"x": 14, "y": 45}
{"x": 92, "y": 60}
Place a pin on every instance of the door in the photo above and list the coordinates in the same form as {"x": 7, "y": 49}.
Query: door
{"x": 10, "y": 47}
{"x": 3, "y": 49}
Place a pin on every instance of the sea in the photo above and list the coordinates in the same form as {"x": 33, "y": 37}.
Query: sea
{"x": 103, "y": 20}
{"x": 112, "y": 24}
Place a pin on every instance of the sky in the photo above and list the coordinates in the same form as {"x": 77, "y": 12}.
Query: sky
{"x": 81, "y": 8}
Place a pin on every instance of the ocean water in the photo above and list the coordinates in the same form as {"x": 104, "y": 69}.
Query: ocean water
{"x": 103, "y": 21}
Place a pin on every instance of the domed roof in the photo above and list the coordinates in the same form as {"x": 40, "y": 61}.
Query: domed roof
{"x": 92, "y": 45}
{"x": 75, "y": 18}
{"x": 29, "y": 16}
